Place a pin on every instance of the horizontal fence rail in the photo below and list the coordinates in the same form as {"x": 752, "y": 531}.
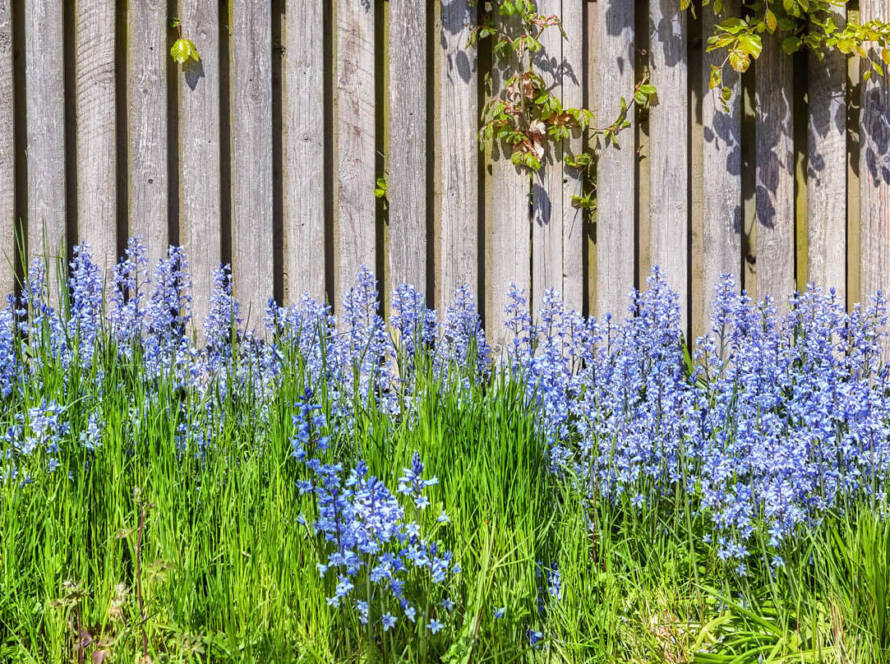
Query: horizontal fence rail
{"x": 266, "y": 153}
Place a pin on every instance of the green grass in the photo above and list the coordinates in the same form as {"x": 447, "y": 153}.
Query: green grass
{"x": 228, "y": 573}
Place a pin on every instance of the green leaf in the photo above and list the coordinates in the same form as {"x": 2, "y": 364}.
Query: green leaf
{"x": 770, "y": 19}
{"x": 791, "y": 44}
{"x": 183, "y": 49}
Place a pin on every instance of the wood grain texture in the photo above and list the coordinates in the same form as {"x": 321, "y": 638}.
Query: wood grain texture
{"x": 556, "y": 224}
{"x": 774, "y": 172}
{"x": 147, "y": 179}
{"x": 45, "y": 100}
{"x": 200, "y": 202}
{"x": 7, "y": 152}
{"x": 614, "y": 78}
{"x": 874, "y": 171}
{"x": 826, "y": 169}
{"x": 252, "y": 258}
{"x": 355, "y": 224}
{"x": 407, "y": 153}
{"x": 668, "y": 149}
{"x": 572, "y": 180}
{"x": 303, "y": 168}
{"x": 96, "y": 130}
{"x": 721, "y": 175}
{"x": 457, "y": 155}
{"x": 508, "y": 254}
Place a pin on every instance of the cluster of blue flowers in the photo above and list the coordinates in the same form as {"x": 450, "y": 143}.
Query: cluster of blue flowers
{"x": 375, "y": 549}
{"x": 780, "y": 416}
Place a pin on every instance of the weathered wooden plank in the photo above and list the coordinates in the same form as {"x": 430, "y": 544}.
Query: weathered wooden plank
{"x": 355, "y": 224}
{"x": 147, "y": 179}
{"x": 721, "y": 174}
{"x": 303, "y": 168}
{"x": 96, "y": 133}
{"x": 45, "y": 102}
{"x": 7, "y": 152}
{"x": 556, "y": 224}
{"x": 252, "y": 258}
{"x": 668, "y": 149}
{"x": 457, "y": 155}
{"x": 406, "y": 189}
{"x": 547, "y": 197}
{"x": 572, "y": 179}
{"x": 874, "y": 171}
{"x": 200, "y": 202}
{"x": 614, "y": 78}
{"x": 774, "y": 177}
{"x": 826, "y": 169}
{"x": 508, "y": 259}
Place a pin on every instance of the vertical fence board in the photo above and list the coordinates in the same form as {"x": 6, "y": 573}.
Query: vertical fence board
{"x": 508, "y": 259}
{"x": 147, "y": 125}
{"x": 826, "y": 169}
{"x": 722, "y": 170}
{"x": 457, "y": 155}
{"x": 7, "y": 152}
{"x": 252, "y": 258}
{"x": 45, "y": 100}
{"x": 407, "y": 154}
{"x": 774, "y": 172}
{"x": 303, "y": 168}
{"x": 547, "y": 199}
{"x": 668, "y": 149}
{"x": 572, "y": 179}
{"x": 199, "y": 151}
{"x": 613, "y": 79}
{"x": 355, "y": 134}
{"x": 874, "y": 171}
{"x": 96, "y": 130}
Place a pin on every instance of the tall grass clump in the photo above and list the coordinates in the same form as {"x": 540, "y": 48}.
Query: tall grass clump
{"x": 362, "y": 489}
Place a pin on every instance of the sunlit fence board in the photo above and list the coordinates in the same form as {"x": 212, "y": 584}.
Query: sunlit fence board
{"x": 407, "y": 158}
{"x": 874, "y": 171}
{"x": 147, "y": 126}
{"x": 96, "y": 178}
{"x": 457, "y": 151}
{"x": 45, "y": 148}
{"x": 7, "y": 151}
{"x": 613, "y": 79}
{"x": 304, "y": 149}
{"x": 355, "y": 224}
{"x": 252, "y": 259}
{"x": 668, "y": 150}
{"x": 200, "y": 188}
{"x": 775, "y": 172}
{"x": 721, "y": 176}
{"x": 826, "y": 170}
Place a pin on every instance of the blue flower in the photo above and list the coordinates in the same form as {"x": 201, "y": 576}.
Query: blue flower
{"x": 435, "y": 626}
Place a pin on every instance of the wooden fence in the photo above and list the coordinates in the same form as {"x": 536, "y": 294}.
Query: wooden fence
{"x": 265, "y": 154}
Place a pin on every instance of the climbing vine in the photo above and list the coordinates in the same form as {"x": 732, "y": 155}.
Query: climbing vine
{"x": 797, "y": 24}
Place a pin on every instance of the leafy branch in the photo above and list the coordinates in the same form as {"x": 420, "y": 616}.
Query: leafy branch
{"x": 798, "y": 24}
{"x": 182, "y": 48}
